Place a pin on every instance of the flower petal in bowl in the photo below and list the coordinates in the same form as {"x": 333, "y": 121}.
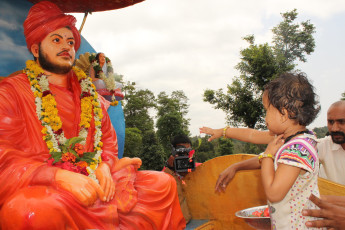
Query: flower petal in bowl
{"x": 257, "y": 222}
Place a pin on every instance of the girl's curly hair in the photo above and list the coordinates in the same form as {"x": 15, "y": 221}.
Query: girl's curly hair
{"x": 294, "y": 93}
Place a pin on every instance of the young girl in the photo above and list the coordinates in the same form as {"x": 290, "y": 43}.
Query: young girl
{"x": 290, "y": 164}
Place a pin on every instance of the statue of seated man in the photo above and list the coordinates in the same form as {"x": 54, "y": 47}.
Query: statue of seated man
{"x": 58, "y": 150}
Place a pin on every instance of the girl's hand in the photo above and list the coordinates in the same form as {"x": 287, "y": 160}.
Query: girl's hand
{"x": 106, "y": 181}
{"x": 274, "y": 145}
{"x": 224, "y": 178}
{"x": 83, "y": 188}
{"x": 215, "y": 133}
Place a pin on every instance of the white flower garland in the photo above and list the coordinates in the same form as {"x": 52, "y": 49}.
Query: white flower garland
{"x": 48, "y": 115}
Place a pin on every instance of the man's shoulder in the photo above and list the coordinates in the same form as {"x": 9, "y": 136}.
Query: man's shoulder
{"x": 324, "y": 140}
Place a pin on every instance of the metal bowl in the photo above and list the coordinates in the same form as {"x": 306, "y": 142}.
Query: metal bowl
{"x": 260, "y": 223}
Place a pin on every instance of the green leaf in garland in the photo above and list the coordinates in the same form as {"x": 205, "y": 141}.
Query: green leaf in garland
{"x": 56, "y": 156}
{"x": 70, "y": 143}
{"x": 88, "y": 157}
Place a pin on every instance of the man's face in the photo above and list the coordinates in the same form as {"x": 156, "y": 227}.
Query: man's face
{"x": 336, "y": 123}
{"x": 56, "y": 51}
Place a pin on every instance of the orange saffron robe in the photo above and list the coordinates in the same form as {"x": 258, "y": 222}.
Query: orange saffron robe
{"x": 29, "y": 198}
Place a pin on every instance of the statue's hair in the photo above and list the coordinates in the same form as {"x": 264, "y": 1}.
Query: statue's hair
{"x": 97, "y": 56}
{"x": 294, "y": 93}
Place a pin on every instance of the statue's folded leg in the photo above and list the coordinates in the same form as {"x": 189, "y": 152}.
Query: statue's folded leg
{"x": 157, "y": 206}
{"x": 36, "y": 207}
{"x": 41, "y": 207}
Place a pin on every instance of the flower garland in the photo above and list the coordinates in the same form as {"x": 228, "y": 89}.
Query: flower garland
{"x": 108, "y": 81}
{"x": 67, "y": 153}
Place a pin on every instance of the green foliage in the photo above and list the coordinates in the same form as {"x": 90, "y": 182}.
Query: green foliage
{"x": 141, "y": 139}
{"x": 245, "y": 107}
{"x": 133, "y": 143}
{"x": 226, "y": 147}
{"x": 220, "y": 147}
{"x": 293, "y": 40}
{"x": 320, "y": 132}
{"x": 260, "y": 63}
{"x": 168, "y": 126}
{"x": 205, "y": 151}
{"x": 342, "y": 96}
{"x": 136, "y": 109}
{"x": 171, "y": 119}
{"x": 152, "y": 156}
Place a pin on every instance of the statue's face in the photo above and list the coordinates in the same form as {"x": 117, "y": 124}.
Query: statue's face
{"x": 101, "y": 59}
{"x": 56, "y": 51}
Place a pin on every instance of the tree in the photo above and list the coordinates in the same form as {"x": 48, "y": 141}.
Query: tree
{"x": 226, "y": 147}
{"x": 343, "y": 96}
{"x": 292, "y": 40}
{"x": 138, "y": 121}
{"x": 241, "y": 104}
{"x": 171, "y": 118}
{"x": 248, "y": 148}
{"x": 260, "y": 63}
{"x": 133, "y": 143}
{"x": 320, "y": 131}
{"x": 136, "y": 109}
{"x": 152, "y": 156}
{"x": 206, "y": 150}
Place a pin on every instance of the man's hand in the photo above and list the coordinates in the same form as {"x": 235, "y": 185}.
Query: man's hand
{"x": 334, "y": 215}
{"x": 84, "y": 189}
{"x": 170, "y": 161}
{"x": 106, "y": 181}
{"x": 224, "y": 178}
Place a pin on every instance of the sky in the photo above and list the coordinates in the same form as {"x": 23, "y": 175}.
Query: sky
{"x": 193, "y": 45}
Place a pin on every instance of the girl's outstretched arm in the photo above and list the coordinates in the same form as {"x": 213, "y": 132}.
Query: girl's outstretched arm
{"x": 243, "y": 134}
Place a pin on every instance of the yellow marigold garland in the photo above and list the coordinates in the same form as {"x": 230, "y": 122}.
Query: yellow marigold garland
{"x": 67, "y": 152}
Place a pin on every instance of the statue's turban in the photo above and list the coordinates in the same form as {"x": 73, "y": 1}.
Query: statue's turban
{"x": 44, "y": 18}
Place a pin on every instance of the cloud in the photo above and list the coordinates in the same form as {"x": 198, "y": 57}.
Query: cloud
{"x": 5, "y": 25}
{"x": 194, "y": 45}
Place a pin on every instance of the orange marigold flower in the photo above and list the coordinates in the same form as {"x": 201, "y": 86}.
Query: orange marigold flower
{"x": 79, "y": 148}
{"x": 68, "y": 157}
{"x": 81, "y": 164}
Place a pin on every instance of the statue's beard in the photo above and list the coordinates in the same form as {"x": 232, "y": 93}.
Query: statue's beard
{"x": 48, "y": 65}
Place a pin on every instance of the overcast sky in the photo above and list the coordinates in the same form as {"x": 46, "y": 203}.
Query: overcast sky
{"x": 193, "y": 45}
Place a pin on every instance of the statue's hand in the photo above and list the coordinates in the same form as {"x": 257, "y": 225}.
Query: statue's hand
{"x": 125, "y": 161}
{"x": 106, "y": 181}
{"x": 84, "y": 189}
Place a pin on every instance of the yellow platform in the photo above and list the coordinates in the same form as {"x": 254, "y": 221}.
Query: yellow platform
{"x": 244, "y": 191}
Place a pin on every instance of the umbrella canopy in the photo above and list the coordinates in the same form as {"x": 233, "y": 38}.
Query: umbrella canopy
{"x": 83, "y": 6}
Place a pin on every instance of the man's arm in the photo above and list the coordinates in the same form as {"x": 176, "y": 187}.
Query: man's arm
{"x": 226, "y": 176}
